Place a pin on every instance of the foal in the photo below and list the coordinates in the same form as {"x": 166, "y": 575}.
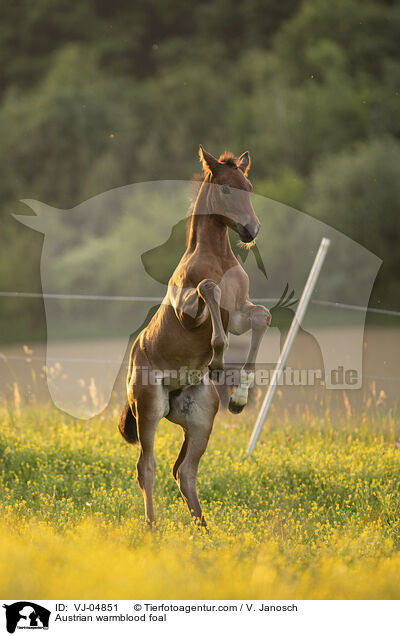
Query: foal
{"x": 207, "y": 297}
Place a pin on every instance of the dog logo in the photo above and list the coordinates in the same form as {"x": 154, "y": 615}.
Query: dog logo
{"x": 26, "y": 615}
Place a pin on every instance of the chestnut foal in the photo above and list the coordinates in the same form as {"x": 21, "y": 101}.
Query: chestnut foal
{"x": 207, "y": 297}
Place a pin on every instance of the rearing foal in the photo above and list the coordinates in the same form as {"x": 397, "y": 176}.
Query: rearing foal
{"x": 207, "y": 297}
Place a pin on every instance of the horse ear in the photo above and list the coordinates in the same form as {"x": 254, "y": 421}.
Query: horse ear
{"x": 244, "y": 162}
{"x": 210, "y": 163}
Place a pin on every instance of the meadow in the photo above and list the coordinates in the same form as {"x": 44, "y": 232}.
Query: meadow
{"x": 314, "y": 513}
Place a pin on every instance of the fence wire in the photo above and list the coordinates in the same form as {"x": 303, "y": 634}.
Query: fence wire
{"x": 18, "y": 294}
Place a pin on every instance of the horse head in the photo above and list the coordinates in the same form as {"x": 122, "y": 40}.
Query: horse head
{"x": 229, "y": 197}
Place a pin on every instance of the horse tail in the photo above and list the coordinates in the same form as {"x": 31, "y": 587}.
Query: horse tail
{"x": 127, "y": 425}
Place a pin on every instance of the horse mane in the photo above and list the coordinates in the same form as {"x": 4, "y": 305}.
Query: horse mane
{"x": 229, "y": 159}
{"x": 193, "y": 190}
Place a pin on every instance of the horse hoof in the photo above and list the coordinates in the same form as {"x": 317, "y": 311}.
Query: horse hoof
{"x": 235, "y": 408}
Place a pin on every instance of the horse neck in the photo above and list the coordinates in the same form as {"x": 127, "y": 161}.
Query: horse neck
{"x": 206, "y": 233}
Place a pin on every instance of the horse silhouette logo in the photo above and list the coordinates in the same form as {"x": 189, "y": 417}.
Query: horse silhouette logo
{"x": 105, "y": 267}
{"x": 26, "y": 615}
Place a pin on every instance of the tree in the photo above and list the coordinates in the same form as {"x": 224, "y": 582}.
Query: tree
{"x": 358, "y": 193}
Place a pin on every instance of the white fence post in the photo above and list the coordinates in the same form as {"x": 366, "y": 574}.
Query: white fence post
{"x": 297, "y": 319}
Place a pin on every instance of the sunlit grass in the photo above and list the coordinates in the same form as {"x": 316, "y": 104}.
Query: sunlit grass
{"x": 314, "y": 513}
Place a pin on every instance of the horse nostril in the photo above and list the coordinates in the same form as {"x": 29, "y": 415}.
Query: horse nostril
{"x": 248, "y": 232}
{"x": 244, "y": 233}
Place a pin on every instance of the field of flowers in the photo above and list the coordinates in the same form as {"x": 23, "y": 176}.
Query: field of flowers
{"x": 314, "y": 513}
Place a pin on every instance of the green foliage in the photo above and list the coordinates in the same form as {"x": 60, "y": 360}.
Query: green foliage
{"x": 103, "y": 94}
{"x": 288, "y": 188}
{"x": 361, "y": 34}
{"x": 358, "y": 193}
{"x": 53, "y": 133}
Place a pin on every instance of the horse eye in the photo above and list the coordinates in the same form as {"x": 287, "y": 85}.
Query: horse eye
{"x": 225, "y": 189}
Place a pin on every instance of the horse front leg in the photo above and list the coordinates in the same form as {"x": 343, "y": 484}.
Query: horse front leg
{"x": 194, "y": 305}
{"x": 257, "y": 318}
{"x": 210, "y": 293}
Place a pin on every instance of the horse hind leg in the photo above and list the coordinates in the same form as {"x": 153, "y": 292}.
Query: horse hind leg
{"x": 127, "y": 425}
{"x": 180, "y": 457}
{"x": 186, "y": 473}
{"x": 150, "y": 408}
{"x": 194, "y": 409}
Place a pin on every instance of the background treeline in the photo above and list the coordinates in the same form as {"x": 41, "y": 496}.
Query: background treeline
{"x": 98, "y": 94}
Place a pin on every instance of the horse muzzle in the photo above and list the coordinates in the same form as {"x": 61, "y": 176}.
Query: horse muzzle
{"x": 248, "y": 232}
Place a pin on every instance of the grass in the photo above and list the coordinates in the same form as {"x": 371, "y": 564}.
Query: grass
{"x": 314, "y": 513}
